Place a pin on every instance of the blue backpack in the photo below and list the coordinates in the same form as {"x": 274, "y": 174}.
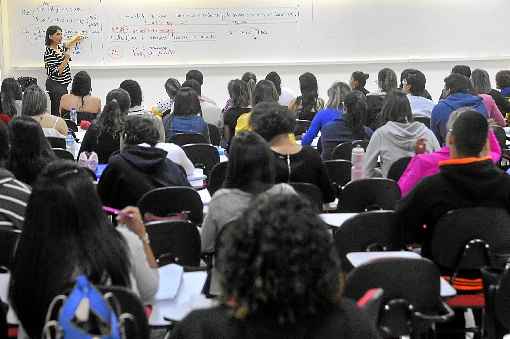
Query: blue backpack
{"x": 84, "y": 314}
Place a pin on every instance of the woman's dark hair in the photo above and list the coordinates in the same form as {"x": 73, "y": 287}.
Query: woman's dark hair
{"x": 250, "y": 165}
{"x": 195, "y": 75}
{"x": 82, "y": 85}
{"x": 34, "y": 101}
{"x": 195, "y": 85}
{"x": 280, "y": 262}
{"x": 309, "y": 91}
{"x": 249, "y": 76}
{"x": 171, "y": 87}
{"x": 387, "y": 80}
{"x": 65, "y": 234}
{"x": 503, "y": 79}
{"x": 265, "y": 91}
{"x": 355, "y": 113}
{"x": 481, "y": 81}
{"x": 139, "y": 130}
{"x": 187, "y": 102}
{"x": 361, "y": 78}
{"x": 50, "y": 31}
{"x": 276, "y": 80}
{"x": 396, "y": 108}
{"x": 238, "y": 92}
{"x": 134, "y": 90}
{"x": 270, "y": 119}
{"x": 112, "y": 118}
{"x": 30, "y": 151}
{"x": 10, "y": 92}
{"x": 336, "y": 95}
{"x": 251, "y": 81}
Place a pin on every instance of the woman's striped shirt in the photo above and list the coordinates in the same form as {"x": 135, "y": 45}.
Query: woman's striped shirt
{"x": 52, "y": 60}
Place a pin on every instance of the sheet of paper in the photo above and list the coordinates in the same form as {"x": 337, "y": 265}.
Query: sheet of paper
{"x": 170, "y": 280}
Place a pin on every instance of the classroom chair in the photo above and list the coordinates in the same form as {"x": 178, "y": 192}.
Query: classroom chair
{"x": 214, "y": 134}
{"x": 368, "y": 231}
{"x": 344, "y": 150}
{"x": 217, "y": 177}
{"x": 182, "y": 139}
{"x": 368, "y": 194}
{"x": 310, "y": 192}
{"x": 411, "y": 303}
{"x": 497, "y": 301}
{"x": 57, "y": 142}
{"x": 63, "y": 154}
{"x": 203, "y": 156}
{"x": 174, "y": 202}
{"x": 301, "y": 127}
{"x": 9, "y": 238}
{"x": 175, "y": 242}
{"x": 398, "y": 168}
{"x": 339, "y": 172}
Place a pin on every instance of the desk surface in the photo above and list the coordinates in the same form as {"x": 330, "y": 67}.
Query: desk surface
{"x": 360, "y": 258}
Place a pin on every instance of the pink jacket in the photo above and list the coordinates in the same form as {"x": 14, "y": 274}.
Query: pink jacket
{"x": 493, "y": 110}
{"x": 424, "y": 165}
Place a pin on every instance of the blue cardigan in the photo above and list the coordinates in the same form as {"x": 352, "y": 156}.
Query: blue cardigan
{"x": 321, "y": 118}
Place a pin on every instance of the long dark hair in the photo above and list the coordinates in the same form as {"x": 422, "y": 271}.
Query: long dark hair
{"x": 65, "y": 234}
{"x": 355, "y": 113}
{"x": 250, "y": 165}
{"x": 82, "y": 85}
{"x": 309, "y": 91}
{"x": 30, "y": 150}
{"x": 10, "y": 92}
{"x": 112, "y": 118}
{"x": 238, "y": 92}
{"x": 265, "y": 91}
{"x": 397, "y": 108}
{"x": 187, "y": 102}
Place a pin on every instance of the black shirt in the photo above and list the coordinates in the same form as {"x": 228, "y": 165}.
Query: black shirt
{"x": 104, "y": 144}
{"x": 52, "y": 60}
{"x": 305, "y": 166}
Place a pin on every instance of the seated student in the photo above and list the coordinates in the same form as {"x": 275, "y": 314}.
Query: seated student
{"x": 347, "y": 127}
{"x": 397, "y": 137}
{"x": 80, "y": 99}
{"x": 10, "y": 99}
{"x": 250, "y": 79}
{"x": 414, "y": 85}
{"x": 166, "y": 106}
{"x": 199, "y": 77}
{"x": 34, "y": 105}
{"x": 14, "y": 194}
{"x": 359, "y": 81}
{"x": 458, "y": 88}
{"x": 424, "y": 165}
{"x": 503, "y": 84}
{"x": 135, "y": 95}
{"x": 468, "y": 179}
{"x": 293, "y": 162}
{"x": 464, "y": 70}
{"x": 250, "y": 173}
{"x": 210, "y": 112}
{"x": 387, "y": 82}
{"x": 482, "y": 86}
{"x": 425, "y": 94}
{"x": 30, "y": 152}
{"x": 239, "y": 104}
{"x": 67, "y": 234}
{"x": 103, "y": 136}
{"x": 308, "y": 103}
{"x": 186, "y": 117}
{"x": 138, "y": 169}
{"x": 285, "y": 94}
{"x": 334, "y": 109}
{"x": 281, "y": 278}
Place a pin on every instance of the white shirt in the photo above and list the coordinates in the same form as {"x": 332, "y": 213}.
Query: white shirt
{"x": 176, "y": 155}
{"x": 286, "y": 97}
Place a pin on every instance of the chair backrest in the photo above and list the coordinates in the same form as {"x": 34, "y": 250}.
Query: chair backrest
{"x": 424, "y": 120}
{"x": 344, "y": 150}
{"x": 165, "y": 201}
{"x": 309, "y": 191}
{"x": 71, "y": 125}
{"x": 459, "y": 227}
{"x": 57, "y": 142}
{"x": 339, "y": 171}
{"x": 214, "y": 134}
{"x": 502, "y": 300}
{"x": 369, "y": 194}
{"x": 398, "y": 168}
{"x": 175, "y": 241}
{"x": 301, "y": 127}
{"x": 8, "y": 241}
{"x": 203, "y": 156}
{"x": 182, "y": 139}
{"x": 217, "y": 177}
{"x": 63, "y": 154}
{"x": 368, "y": 231}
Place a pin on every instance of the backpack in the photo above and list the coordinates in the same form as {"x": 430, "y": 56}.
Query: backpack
{"x": 85, "y": 313}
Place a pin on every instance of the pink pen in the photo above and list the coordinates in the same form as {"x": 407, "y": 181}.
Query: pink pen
{"x": 114, "y": 211}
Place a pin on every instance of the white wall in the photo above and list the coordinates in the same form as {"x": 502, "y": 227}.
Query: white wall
{"x": 216, "y": 78}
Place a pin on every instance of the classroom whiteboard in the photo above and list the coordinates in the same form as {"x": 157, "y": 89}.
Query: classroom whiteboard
{"x": 215, "y": 32}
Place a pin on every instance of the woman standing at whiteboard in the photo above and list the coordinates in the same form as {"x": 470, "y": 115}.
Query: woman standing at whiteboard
{"x": 56, "y": 62}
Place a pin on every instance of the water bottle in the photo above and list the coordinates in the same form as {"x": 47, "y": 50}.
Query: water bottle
{"x": 70, "y": 143}
{"x": 74, "y": 115}
{"x": 357, "y": 157}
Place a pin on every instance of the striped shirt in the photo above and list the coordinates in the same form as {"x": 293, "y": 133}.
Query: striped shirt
{"x": 52, "y": 60}
{"x": 13, "y": 200}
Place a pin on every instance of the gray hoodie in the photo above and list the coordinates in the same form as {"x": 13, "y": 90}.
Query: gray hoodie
{"x": 393, "y": 141}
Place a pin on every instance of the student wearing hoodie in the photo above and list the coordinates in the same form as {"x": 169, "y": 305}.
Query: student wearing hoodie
{"x": 138, "y": 169}
{"x": 458, "y": 88}
{"x": 427, "y": 164}
{"x": 397, "y": 137}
